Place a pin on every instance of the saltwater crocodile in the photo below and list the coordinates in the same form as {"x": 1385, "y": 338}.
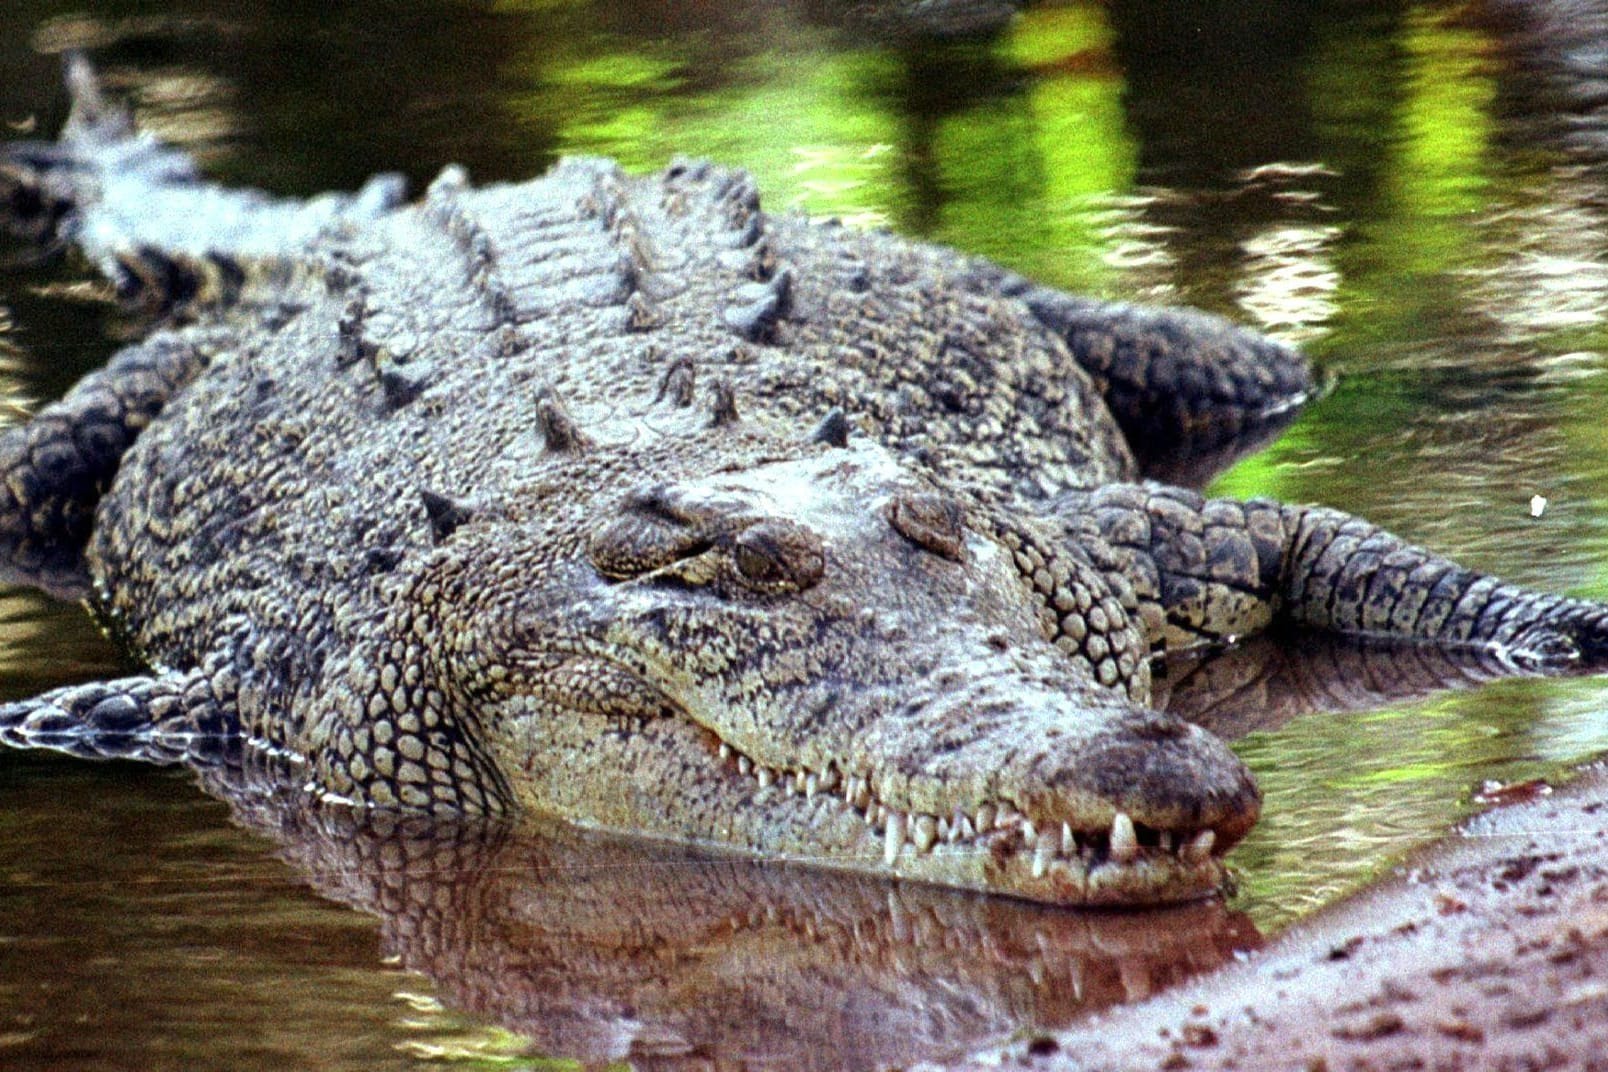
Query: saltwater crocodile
{"x": 619, "y": 499}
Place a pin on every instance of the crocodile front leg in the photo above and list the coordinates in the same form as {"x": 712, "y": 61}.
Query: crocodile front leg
{"x": 1209, "y": 570}
{"x": 177, "y": 716}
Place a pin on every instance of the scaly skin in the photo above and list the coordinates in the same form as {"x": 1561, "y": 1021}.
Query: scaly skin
{"x": 620, "y": 500}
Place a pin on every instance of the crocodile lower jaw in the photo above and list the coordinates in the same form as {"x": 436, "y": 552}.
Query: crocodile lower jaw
{"x": 1124, "y": 863}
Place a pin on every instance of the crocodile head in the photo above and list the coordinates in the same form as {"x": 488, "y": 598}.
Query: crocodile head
{"x": 819, "y": 654}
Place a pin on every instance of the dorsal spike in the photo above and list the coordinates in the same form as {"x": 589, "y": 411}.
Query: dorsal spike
{"x": 725, "y": 408}
{"x": 446, "y": 514}
{"x": 559, "y": 431}
{"x": 678, "y": 382}
{"x": 834, "y": 428}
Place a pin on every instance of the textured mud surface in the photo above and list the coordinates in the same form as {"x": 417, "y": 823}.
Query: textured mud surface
{"x": 1488, "y": 952}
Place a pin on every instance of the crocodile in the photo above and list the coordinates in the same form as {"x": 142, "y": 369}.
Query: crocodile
{"x": 621, "y": 500}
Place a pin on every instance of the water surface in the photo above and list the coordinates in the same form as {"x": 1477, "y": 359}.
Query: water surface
{"x": 1407, "y": 190}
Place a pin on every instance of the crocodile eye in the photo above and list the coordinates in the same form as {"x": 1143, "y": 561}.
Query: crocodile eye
{"x": 934, "y": 522}
{"x": 775, "y": 556}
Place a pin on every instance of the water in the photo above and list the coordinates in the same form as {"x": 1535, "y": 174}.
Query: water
{"x": 1406, "y": 190}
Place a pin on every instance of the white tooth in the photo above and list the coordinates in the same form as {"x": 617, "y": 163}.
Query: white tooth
{"x": 799, "y": 778}
{"x": 1042, "y": 852}
{"x": 1124, "y": 841}
{"x": 946, "y": 830}
{"x": 829, "y": 778}
{"x": 725, "y": 750}
{"x": 1029, "y": 831}
{"x": 1007, "y": 816}
{"x": 1069, "y": 844}
{"x": 893, "y": 837}
{"x": 789, "y": 786}
{"x": 861, "y": 794}
{"x": 745, "y": 765}
{"x": 985, "y": 818}
{"x": 767, "y": 777}
{"x": 1166, "y": 841}
{"x": 1200, "y": 846}
{"x": 964, "y": 831}
{"x": 812, "y": 785}
{"x": 924, "y": 831}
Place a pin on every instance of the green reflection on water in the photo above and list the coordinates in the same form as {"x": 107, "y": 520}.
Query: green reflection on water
{"x": 807, "y": 119}
{"x": 1347, "y": 796}
{"x": 1027, "y": 177}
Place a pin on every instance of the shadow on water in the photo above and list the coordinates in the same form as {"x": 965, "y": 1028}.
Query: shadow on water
{"x": 1413, "y": 191}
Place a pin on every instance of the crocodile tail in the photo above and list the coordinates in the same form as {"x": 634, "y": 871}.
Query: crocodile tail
{"x": 141, "y": 211}
{"x": 168, "y": 718}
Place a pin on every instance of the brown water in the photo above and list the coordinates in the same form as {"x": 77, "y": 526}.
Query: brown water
{"x": 1411, "y": 191}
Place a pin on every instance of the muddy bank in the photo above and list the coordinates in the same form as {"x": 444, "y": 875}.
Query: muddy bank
{"x": 1488, "y": 951}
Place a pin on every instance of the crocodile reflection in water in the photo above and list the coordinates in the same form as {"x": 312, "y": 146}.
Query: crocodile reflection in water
{"x": 601, "y": 949}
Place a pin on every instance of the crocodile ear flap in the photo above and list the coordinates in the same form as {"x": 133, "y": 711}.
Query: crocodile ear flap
{"x": 833, "y": 429}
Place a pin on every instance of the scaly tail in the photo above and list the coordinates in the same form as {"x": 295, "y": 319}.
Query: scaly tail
{"x": 140, "y": 211}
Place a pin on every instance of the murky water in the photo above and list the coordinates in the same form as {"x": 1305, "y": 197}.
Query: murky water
{"x": 1411, "y": 191}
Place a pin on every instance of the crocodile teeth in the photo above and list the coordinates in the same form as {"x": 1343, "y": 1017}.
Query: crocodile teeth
{"x": 745, "y": 765}
{"x": 1124, "y": 841}
{"x": 767, "y": 777}
{"x": 1069, "y": 843}
{"x": 829, "y": 779}
{"x": 985, "y": 818}
{"x": 812, "y": 785}
{"x": 1166, "y": 840}
{"x": 963, "y": 830}
{"x": 725, "y": 750}
{"x": 924, "y": 832}
{"x": 1043, "y": 851}
{"x": 1200, "y": 846}
{"x": 893, "y": 837}
{"x": 1029, "y": 831}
